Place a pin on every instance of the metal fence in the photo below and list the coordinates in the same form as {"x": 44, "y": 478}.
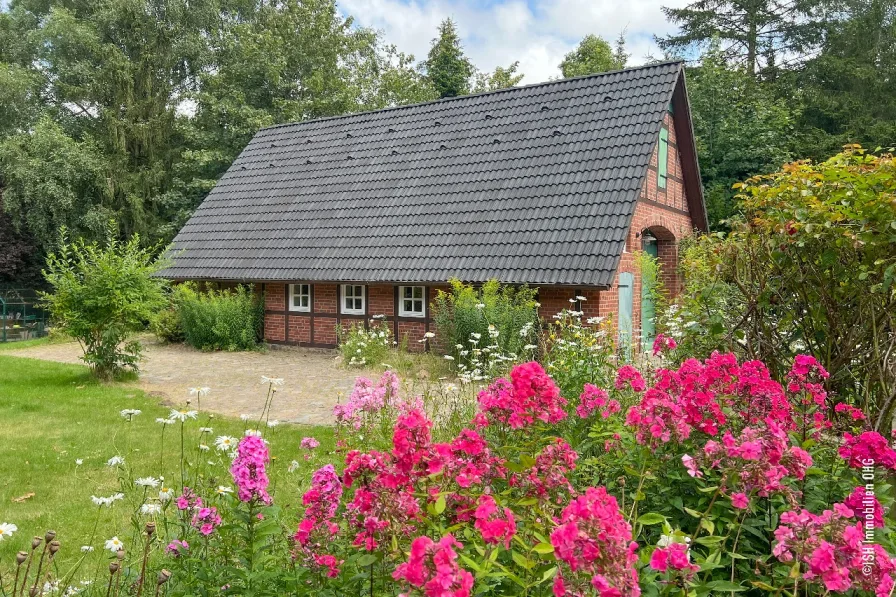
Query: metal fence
{"x": 20, "y": 316}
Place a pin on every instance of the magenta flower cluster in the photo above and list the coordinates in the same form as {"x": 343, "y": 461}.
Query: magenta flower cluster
{"x": 249, "y": 470}
{"x": 594, "y": 546}
{"x": 432, "y": 567}
{"x": 529, "y": 395}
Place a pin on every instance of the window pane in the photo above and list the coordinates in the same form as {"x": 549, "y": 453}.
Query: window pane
{"x": 418, "y": 292}
{"x": 408, "y": 305}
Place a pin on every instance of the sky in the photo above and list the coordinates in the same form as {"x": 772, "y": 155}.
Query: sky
{"x": 538, "y": 33}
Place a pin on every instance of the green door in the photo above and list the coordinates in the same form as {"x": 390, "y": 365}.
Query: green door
{"x": 626, "y": 296}
{"x": 648, "y": 306}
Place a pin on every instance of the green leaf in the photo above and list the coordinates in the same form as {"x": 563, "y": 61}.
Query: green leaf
{"x": 693, "y": 513}
{"x": 543, "y": 548}
{"x": 651, "y": 518}
{"x": 712, "y": 540}
{"x": 367, "y": 560}
{"x": 440, "y": 504}
{"x": 724, "y": 585}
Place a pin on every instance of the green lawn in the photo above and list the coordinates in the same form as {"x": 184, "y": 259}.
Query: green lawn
{"x": 52, "y": 415}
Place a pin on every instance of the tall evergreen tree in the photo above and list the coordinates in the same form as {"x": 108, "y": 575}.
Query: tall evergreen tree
{"x": 848, "y": 88}
{"x": 447, "y": 68}
{"x": 754, "y": 34}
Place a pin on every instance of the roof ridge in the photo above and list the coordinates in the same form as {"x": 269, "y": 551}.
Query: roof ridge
{"x": 471, "y": 95}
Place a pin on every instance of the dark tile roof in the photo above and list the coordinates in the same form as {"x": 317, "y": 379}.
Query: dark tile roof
{"x": 534, "y": 184}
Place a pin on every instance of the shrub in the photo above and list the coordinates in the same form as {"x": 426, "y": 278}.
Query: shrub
{"x": 363, "y": 347}
{"x": 486, "y": 330}
{"x": 101, "y": 296}
{"x": 810, "y": 268}
{"x": 167, "y": 327}
{"x": 219, "y": 319}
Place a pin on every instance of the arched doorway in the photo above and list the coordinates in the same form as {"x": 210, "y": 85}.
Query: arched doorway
{"x": 658, "y": 243}
{"x": 649, "y": 244}
{"x": 625, "y": 324}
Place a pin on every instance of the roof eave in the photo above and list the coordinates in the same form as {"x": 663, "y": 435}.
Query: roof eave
{"x": 687, "y": 149}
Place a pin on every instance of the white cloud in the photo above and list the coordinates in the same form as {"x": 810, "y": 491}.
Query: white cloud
{"x": 498, "y": 32}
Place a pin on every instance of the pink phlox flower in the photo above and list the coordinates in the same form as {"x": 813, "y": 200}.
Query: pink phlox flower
{"x": 495, "y": 525}
{"x": 432, "y": 566}
{"x": 249, "y": 470}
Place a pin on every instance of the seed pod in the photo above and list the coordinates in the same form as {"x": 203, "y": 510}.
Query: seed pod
{"x": 34, "y": 592}
{"x": 150, "y": 528}
{"x": 120, "y": 554}
{"x": 164, "y": 575}
{"x": 50, "y": 536}
{"x": 21, "y": 557}
{"x": 54, "y": 547}
{"x": 113, "y": 567}
{"x": 621, "y": 481}
{"x": 35, "y": 542}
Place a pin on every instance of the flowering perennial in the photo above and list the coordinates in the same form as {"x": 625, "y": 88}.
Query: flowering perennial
{"x": 529, "y": 395}
{"x": 594, "y": 545}
{"x": 248, "y": 470}
{"x": 432, "y": 567}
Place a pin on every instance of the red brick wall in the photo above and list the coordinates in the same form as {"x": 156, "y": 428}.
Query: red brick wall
{"x": 275, "y": 297}
{"x": 274, "y": 327}
{"x": 413, "y": 331}
{"x": 381, "y": 300}
{"x": 325, "y": 298}
{"x": 325, "y": 330}
{"x": 299, "y": 329}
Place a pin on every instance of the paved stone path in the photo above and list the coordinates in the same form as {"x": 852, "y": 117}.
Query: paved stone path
{"x": 313, "y": 379}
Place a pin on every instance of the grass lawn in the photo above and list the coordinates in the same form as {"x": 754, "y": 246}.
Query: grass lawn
{"x": 53, "y": 415}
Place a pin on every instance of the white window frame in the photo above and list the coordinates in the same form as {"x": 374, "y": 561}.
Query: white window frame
{"x": 401, "y": 299}
{"x": 343, "y": 295}
{"x": 295, "y": 290}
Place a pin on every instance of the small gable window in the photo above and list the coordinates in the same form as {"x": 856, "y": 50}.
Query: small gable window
{"x": 412, "y": 301}
{"x": 662, "y": 171}
{"x": 300, "y": 297}
{"x": 352, "y": 299}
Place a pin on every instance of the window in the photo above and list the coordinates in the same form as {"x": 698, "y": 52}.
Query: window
{"x": 411, "y": 301}
{"x": 352, "y": 299}
{"x": 663, "y": 159}
{"x": 300, "y": 297}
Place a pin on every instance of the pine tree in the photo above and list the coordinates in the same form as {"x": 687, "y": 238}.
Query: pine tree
{"x": 448, "y": 69}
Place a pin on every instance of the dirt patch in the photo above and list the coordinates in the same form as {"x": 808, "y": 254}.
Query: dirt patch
{"x": 313, "y": 379}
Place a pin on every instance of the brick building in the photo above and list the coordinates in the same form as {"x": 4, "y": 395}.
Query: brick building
{"x": 555, "y": 185}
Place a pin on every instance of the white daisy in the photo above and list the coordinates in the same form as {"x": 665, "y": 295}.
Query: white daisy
{"x": 7, "y": 529}
{"x": 79, "y": 461}
{"x": 254, "y": 432}
{"x": 225, "y": 443}
{"x": 114, "y": 544}
{"x": 223, "y": 489}
{"x": 273, "y": 423}
{"x": 146, "y": 482}
{"x": 205, "y": 430}
{"x": 245, "y": 417}
{"x": 165, "y": 494}
{"x": 274, "y": 381}
{"x": 293, "y": 466}
{"x": 107, "y": 501}
{"x": 87, "y": 548}
{"x": 203, "y": 391}
{"x": 203, "y": 447}
{"x": 182, "y": 415}
{"x": 115, "y": 461}
{"x": 163, "y": 422}
{"x": 581, "y": 298}
{"x": 429, "y": 335}
{"x": 448, "y": 357}
{"x": 150, "y": 509}
{"x": 130, "y": 413}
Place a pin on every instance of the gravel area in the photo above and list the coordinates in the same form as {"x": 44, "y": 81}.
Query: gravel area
{"x": 313, "y": 379}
